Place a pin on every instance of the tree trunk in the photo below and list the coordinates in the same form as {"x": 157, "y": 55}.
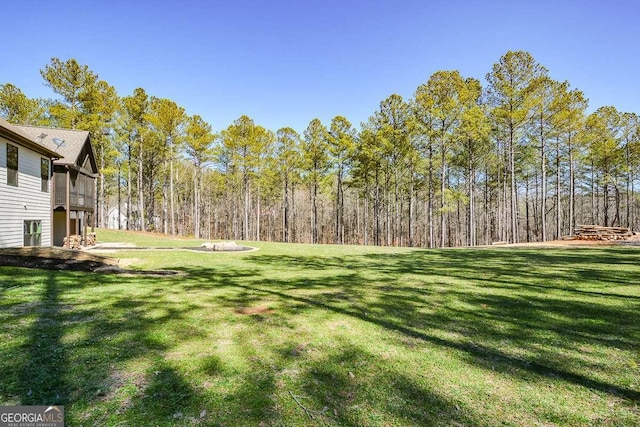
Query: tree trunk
{"x": 514, "y": 201}
{"x": 173, "y": 212}
{"x": 338, "y": 203}
{"x": 141, "y": 188}
{"x": 411, "y": 209}
{"x": 616, "y": 218}
{"x": 632, "y": 213}
{"x": 543, "y": 173}
{"x": 101, "y": 176}
{"x": 558, "y": 198}
{"x": 196, "y": 203}
{"x": 572, "y": 195}
{"x": 376, "y": 208}
{"x": 294, "y": 232}
{"x": 314, "y": 213}
{"x": 430, "y": 207}
{"x": 594, "y": 214}
{"x": 443, "y": 172}
{"x": 526, "y": 203}
{"x": 387, "y": 210}
{"x": 165, "y": 202}
{"x": 245, "y": 223}
{"x": 119, "y": 192}
{"x": 365, "y": 211}
{"x": 258, "y": 215}
{"x": 505, "y": 211}
{"x": 285, "y": 210}
{"x": 628, "y": 187}
{"x": 129, "y": 188}
{"x": 605, "y": 205}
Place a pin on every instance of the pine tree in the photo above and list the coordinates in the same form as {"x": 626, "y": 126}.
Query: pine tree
{"x": 341, "y": 147}
{"x": 316, "y": 163}
{"x": 198, "y": 148}
{"x": 168, "y": 119}
{"x": 16, "y": 107}
{"x": 289, "y": 162}
{"x": 512, "y": 84}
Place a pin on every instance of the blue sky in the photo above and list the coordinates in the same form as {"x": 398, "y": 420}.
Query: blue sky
{"x": 284, "y": 63}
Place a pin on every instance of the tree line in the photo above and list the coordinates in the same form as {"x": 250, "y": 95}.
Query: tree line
{"x": 458, "y": 164}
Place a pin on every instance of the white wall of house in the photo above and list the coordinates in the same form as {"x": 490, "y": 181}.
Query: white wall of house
{"x": 112, "y": 219}
{"x": 26, "y": 201}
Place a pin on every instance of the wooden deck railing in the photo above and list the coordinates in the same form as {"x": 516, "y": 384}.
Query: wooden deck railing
{"x": 75, "y": 199}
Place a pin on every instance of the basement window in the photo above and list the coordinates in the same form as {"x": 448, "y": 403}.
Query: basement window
{"x": 32, "y": 232}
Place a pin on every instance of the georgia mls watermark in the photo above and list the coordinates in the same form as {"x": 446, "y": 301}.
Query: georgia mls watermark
{"x": 31, "y": 416}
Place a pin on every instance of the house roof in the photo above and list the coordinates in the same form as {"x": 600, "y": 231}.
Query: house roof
{"x": 17, "y": 134}
{"x": 71, "y": 149}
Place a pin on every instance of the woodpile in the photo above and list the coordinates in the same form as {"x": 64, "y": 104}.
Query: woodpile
{"x": 76, "y": 241}
{"x": 91, "y": 240}
{"x": 598, "y": 232}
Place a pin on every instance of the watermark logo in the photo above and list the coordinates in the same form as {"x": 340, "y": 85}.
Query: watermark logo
{"x": 31, "y": 416}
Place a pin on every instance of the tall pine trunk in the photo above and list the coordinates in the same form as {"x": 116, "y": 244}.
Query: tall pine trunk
{"x": 196, "y": 203}
{"x": 558, "y": 196}
{"x": 173, "y": 211}
{"x": 430, "y": 205}
{"x": 102, "y": 192}
{"x": 572, "y": 186}
{"x": 285, "y": 210}
{"x": 543, "y": 178}
{"x": 143, "y": 226}
{"x": 514, "y": 202}
{"x": 129, "y": 188}
{"x": 443, "y": 172}
{"x": 245, "y": 222}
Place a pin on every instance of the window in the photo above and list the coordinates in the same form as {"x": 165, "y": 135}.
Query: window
{"x": 44, "y": 174}
{"x": 32, "y": 232}
{"x": 12, "y": 165}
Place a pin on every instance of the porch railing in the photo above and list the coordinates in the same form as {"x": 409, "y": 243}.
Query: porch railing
{"x": 75, "y": 199}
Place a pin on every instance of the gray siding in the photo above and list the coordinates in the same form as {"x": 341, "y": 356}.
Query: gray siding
{"x": 24, "y": 202}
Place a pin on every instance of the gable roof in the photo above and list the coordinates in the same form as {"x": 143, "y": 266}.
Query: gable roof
{"x": 75, "y": 144}
{"x": 16, "y": 134}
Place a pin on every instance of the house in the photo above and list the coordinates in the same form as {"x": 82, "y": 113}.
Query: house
{"x": 116, "y": 219}
{"x": 74, "y": 175}
{"x": 25, "y": 189}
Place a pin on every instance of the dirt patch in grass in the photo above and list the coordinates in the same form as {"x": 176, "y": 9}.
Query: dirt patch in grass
{"x": 66, "y": 259}
{"x": 254, "y": 310}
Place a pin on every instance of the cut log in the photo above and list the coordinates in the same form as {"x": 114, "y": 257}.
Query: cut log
{"x": 598, "y": 232}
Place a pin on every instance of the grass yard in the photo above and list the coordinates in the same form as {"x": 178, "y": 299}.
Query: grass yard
{"x": 329, "y": 335}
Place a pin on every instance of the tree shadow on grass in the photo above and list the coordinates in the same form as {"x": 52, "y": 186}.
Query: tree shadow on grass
{"x": 43, "y": 372}
{"x": 109, "y": 336}
{"x": 76, "y": 349}
{"x": 571, "y": 321}
{"x": 538, "y": 267}
{"x": 480, "y": 352}
{"x": 345, "y": 387}
{"x": 166, "y": 398}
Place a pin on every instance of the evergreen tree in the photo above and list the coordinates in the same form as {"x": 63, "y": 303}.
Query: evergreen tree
{"x": 16, "y": 108}
{"x": 316, "y": 163}
{"x": 512, "y": 87}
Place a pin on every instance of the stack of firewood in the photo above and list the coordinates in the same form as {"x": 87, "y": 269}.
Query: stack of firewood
{"x": 76, "y": 241}
{"x": 598, "y": 232}
{"x": 90, "y": 240}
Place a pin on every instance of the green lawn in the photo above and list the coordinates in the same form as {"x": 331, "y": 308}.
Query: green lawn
{"x": 330, "y": 335}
